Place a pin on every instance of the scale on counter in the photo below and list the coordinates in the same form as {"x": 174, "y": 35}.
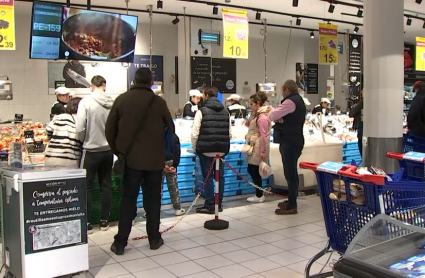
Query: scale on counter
{"x": 6, "y": 92}
{"x": 270, "y": 90}
{"x": 157, "y": 88}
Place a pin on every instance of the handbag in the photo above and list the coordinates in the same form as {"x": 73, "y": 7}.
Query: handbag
{"x": 119, "y": 164}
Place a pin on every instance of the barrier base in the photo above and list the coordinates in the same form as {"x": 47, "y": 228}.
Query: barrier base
{"x": 216, "y": 224}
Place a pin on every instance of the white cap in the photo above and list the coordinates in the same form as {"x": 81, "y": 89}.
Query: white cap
{"x": 195, "y": 93}
{"x": 62, "y": 91}
{"x": 306, "y": 101}
{"x": 325, "y": 99}
{"x": 234, "y": 97}
{"x": 72, "y": 93}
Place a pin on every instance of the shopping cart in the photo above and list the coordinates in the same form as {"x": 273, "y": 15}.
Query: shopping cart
{"x": 413, "y": 163}
{"x": 345, "y": 216}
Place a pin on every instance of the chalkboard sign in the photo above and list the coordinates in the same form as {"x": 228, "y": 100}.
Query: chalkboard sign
{"x": 312, "y": 78}
{"x": 224, "y": 73}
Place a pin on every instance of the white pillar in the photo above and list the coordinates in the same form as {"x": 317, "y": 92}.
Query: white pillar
{"x": 383, "y": 78}
{"x": 184, "y": 61}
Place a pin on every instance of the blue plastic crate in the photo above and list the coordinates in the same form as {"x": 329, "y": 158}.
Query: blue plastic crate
{"x": 233, "y": 156}
{"x": 230, "y": 192}
{"x": 185, "y": 175}
{"x": 231, "y": 185}
{"x": 247, "y": 190}
{"x": 230, "y": 178}
{"x": 413, "y": 144}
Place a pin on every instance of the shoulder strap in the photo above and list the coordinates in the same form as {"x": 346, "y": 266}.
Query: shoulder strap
{"x": 139, "y": 127}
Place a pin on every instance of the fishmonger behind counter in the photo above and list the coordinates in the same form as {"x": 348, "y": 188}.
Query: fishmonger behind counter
{"x": 235, "y": 108}
{"x": 191, "y": 106}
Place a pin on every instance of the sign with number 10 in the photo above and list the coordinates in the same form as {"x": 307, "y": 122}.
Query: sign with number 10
{"x": 7, "y": 25}
{"x": 328, "y": 44}
{"x": 236, "y": 34}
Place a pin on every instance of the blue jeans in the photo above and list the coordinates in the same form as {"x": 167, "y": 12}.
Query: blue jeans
{"x": 205, "y": 163}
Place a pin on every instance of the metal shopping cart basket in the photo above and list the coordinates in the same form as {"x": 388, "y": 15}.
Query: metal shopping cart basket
{"x": 348, "y": 213}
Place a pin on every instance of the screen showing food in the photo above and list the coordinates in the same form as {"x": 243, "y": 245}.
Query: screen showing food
{"x": 46, "y": 31}
{"x": 100, "y": 36}
{"x": 413, "y": 267}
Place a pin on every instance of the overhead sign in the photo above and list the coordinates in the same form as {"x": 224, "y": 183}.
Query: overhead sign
{"x": 328, "y": 44}
{"x": 143, "y": 62}
{"x": 420, "y": 54}
{"x": 236, "y": 34}
{"x": 7, "y": 25}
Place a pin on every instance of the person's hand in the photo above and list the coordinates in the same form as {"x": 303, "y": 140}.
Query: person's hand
{"x": 167, "y": 168}
{"x": 263, "y": 156}
{"x": 172, "y": 169}
{"x": 245, "y": 122}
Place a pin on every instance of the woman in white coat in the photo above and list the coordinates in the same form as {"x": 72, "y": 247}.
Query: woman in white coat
{"x": 191, "y": 106}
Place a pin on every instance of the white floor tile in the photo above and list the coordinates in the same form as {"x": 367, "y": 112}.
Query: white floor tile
{"x": 260, "y": 265}
{"x": 194, "y": 232}
{"x": 197, "y": 253}
{"x": 131, "y": 254}
{"x": 95, "y": 250}
{"x": 100, "y": 260}
{"x": 309, "y": 239}
{"x": 247, "y": 242}
{"x": 169, "y": 258}
{"x": 155, "y": 273}
{"x": 288, "y": 244}
{"x": 186, "y": 268}
{"x": 282, "y": 272}
{"x": 230, "y": 235}
{"x": 265, "y": 250}
{"x": 300, "y": 267}
{"x": 241, "y": 256}
{"x": 139, "y": 265}
{"x": 286, "y": 258}
{"x": 205, "y": 274}
{"x": 207, "y": 240}
{"x": 214, "y": 262}
{"x": 223, "y": 247}
{"x": 255, "y": 220}
{"x": 233, "y": 271}
{"x": 307, "y": 251}
{"x": 182, "y": 244}
{"x": 108, "y": 271}
{"x": 148, "y": 252}
{"x": 272, "y": 226}
{"x": 269, "y": 237}
{"x": 251, "y": 230}
{"x": 310, "y": 228}
{"x": 291, "y": 232}
{"x": 103, "y": 239}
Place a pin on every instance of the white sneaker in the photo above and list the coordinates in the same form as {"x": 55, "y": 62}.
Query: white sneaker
{"x": 255, "y": 199}
{"x": 179, "y": 212}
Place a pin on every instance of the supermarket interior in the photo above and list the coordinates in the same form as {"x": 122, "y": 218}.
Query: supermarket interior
{"x": 359, "y": 67}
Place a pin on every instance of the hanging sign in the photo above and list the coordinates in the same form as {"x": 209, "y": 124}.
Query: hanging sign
{"x": 7, "y": 25}
{"x": 236, "y": 34}
{"x": 420, "y": 54}
{"x": 328, "y": 44}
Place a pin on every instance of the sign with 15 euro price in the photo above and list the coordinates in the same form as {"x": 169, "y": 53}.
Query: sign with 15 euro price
{"x": 328, "y": 44}
{"x": 7, "y": 25}
{"x": 236, "y": 34}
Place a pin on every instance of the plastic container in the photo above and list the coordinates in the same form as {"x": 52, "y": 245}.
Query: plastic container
{"x": 413, "y": 144}
{"x": 413, "y": 163}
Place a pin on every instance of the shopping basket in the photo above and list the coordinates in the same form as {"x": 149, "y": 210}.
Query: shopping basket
{"x": 413, "y": 143}
{"x": 413, "y": 163}
{"x": 343, "y": 217}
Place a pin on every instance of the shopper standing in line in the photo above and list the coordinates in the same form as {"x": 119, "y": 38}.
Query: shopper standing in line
{"x": 211, "y": 136}
{"x": 415, "y": 117}
{"x": 258, "y": 136}
{"x": 98, "y": 157}
{"x": 145, "y": 161}
{"x": 291, "y": 116}
{"x": 356, "y": 112}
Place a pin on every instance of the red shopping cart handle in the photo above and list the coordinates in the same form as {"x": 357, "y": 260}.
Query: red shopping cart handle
{"x": 309, "y": 165}
{"x": 398, "y": 156}
{"x": 350, "y": 172}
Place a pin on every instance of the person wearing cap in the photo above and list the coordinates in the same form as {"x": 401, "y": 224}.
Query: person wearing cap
{"x": 235, "y": 108}
{"x": 415, "y": 117}
{"x": 191, "y": 106}
{"x": 323, "y": 107}
{"x": 62, "y": 98}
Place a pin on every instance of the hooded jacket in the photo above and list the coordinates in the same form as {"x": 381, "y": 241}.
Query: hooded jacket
{"x": 415, "y": 117}
{"x": 92, "y": 114}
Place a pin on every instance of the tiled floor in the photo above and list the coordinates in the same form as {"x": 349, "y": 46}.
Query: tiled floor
{"x": 257, "y": 244}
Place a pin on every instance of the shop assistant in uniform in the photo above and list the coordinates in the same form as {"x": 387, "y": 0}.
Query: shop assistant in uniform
{"x": 235, "y": 108}
{"x": 62, "y": 98}
{"x": 323, "y": 107}
{"x": 191, "y": 106}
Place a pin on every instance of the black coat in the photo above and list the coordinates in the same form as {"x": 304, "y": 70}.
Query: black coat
{"x": 318, "y": 109}
{"x": 356, "y": 113}
{"x": 187, "y": 110}
{"x": 415, "y": 117}
{"x": 58, "y": 108}
{"x": 148, "y": 152}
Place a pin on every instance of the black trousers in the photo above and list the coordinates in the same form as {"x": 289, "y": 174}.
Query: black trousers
{"x": 254, "y": 172}
{"x": 360, "y": 140}
{"x": 100, "y": 164}
{"x": 150, "y": 181}
{"x": 290, "y": 155}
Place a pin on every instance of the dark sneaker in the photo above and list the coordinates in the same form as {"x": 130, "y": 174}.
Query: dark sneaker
{"x": 283, "y": 205}
{"x": 89, "y": 229}
{"x": 104, "y": 225}
{"x": 220, "y": 208}
{"x": 286, "y": 211}
{"x": 117, "y": 249}
{"x": 156, "y": 244}
{"x": 205, "y": 210}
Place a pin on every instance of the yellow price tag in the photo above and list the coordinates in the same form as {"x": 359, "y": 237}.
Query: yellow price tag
{"x": 328, "y": 44}
{"x": 236, "y": 34}
{"x": 7, "y": 25}
{"x": 420, "y": 54}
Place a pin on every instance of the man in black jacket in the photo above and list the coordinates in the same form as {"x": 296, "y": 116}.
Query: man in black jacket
{"x": 211, "y": 136}
{"x": 415, "y": 117}
{"x": 145, "y": 161}
{"x": 356, "y": 112}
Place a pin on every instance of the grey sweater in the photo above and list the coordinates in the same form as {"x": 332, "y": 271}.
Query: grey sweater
{"x": 91, "y": 118}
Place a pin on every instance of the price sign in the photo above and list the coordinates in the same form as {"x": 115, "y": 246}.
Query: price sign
{"x": 420, "y": 54}
{"x": 7, "y": 25}
{"x": 328, "y": 44}
{"x": 236, "y": 34}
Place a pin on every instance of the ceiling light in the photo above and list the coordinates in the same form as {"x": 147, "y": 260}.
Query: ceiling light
{"x": 176, "y": 20}
{"x": 356, "y": 29}
{"x": 258, "y": 16}
{"x": 159, "y": 4}
{"x": 294, "y": 3}
{"x": 331, "y": 8}
{"x": 409, "y": 21}
{"x": 298, "y": 22}
{"x": 418, "y": 1}
{"x": 312, "y": 34}
{"x": 215, "y": 10}
{"x": 359, "y": 13}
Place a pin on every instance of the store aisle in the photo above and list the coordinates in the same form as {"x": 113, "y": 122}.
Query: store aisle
{"x": 257, "y": 244}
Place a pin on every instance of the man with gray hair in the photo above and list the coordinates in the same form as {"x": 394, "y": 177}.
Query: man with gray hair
{"x": 290, "y": 115}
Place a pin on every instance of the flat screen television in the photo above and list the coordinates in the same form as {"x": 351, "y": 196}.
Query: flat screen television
{"x": 46, "y": 31}
{"x": 99, "y": 36}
